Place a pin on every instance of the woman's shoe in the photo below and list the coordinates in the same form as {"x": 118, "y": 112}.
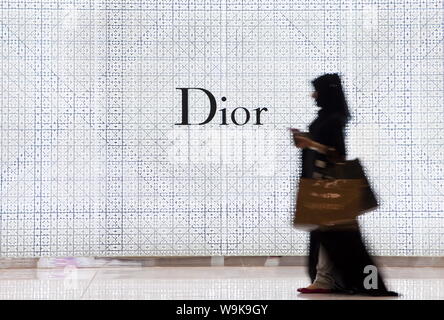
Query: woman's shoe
{"x": 317, "y": 290}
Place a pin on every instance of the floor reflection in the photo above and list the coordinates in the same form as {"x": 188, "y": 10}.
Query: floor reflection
{"x": 242, "y": 283}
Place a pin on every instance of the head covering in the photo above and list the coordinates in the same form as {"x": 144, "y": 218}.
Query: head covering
{"x": 331, "y": 98}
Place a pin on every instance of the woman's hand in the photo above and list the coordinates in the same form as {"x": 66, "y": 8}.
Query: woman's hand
{"x": 301, "y": 141}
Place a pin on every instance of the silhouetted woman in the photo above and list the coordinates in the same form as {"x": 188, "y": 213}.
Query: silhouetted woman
{"x": 337, "y": 255}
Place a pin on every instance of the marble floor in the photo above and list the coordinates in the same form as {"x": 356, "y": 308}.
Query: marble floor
{"x": 270, "y": 283}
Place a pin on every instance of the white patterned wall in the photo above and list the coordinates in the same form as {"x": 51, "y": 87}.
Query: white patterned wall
{"x": 93, "y": 165}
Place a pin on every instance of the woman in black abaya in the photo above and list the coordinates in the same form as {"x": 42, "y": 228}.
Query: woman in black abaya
{"x": 337, "y": 255}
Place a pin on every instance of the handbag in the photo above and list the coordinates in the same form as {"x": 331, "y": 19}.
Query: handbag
{"x": 343, "y": 194}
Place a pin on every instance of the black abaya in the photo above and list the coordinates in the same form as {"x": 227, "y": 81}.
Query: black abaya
{"x": 343, "y": 246}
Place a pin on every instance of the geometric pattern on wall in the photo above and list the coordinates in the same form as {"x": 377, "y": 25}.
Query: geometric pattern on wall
{"x": 93, "y": 165}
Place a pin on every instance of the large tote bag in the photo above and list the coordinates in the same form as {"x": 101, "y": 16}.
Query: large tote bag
{"x": 336, "y": 200}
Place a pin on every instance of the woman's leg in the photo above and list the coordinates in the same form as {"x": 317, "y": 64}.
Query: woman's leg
{"x": 319, "y": 265}
{"x": 324, "y": 276}
{"x": 347, "y": 252}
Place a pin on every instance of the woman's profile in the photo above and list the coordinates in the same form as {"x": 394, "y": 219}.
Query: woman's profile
{"x": 338, "y": 258}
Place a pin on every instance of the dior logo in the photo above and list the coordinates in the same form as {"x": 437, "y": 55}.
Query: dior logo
{"x": 234, "y": 116}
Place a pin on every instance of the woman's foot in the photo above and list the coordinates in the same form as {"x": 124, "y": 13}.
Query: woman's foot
{"x": 314, "y": 289}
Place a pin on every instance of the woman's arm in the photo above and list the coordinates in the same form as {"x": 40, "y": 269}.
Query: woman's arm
{"x": 331, "y": 153}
